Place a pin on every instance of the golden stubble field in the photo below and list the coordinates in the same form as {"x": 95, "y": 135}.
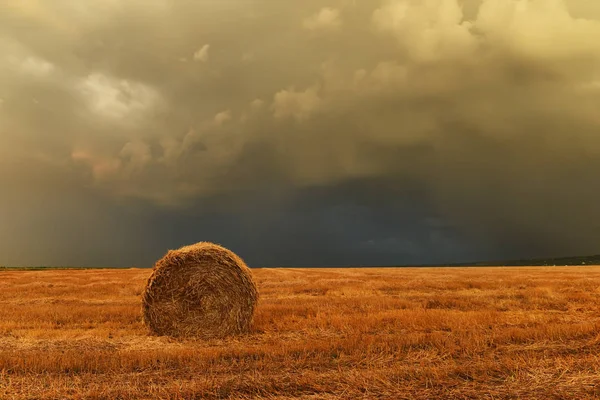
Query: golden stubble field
{"x": 450, "y": 333}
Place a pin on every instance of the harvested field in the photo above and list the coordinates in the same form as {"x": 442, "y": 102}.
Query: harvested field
{"x": 318, "y": 334}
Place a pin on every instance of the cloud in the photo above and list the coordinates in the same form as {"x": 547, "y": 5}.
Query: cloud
{"x": 428, "y": 30}
{"x": 538, "y": 29}
{"x": 103, "y": 168}
{"x": 137, "y": 155}
{"x": 257, "y": 104}
{"x": 114, "y": 98}
{"x": 480, "y": 114}
{"x": 386, "y": 76}
{"x": 201, "y": 54}
{"x": 173, "y": 148}
{"x": 223, "y": 117}
{"x": 131, "y": 160}
{"x": 327, "y": 19}
{"x": 295, "y": 104}
{"x": 34, "y": 66}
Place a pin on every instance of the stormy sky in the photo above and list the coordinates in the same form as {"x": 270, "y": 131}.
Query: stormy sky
{"x": 340, "y": 132}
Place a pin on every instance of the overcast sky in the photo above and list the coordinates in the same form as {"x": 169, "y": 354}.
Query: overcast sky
{"x": 299, "y": 133}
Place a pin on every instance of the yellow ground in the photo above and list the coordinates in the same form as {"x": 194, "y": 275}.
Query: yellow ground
{"x": 319, "y": 334}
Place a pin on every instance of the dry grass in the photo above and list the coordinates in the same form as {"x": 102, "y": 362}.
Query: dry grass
{"x": 319, "y": 334}
{"x": 203, "y": 290}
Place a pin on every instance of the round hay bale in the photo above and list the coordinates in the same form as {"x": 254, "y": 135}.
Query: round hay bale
{"x": 203, "y": 290}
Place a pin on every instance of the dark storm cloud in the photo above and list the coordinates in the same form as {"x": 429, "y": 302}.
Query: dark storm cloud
{"x": 339, "y": 133}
